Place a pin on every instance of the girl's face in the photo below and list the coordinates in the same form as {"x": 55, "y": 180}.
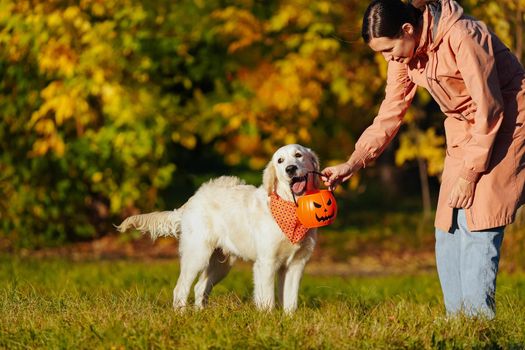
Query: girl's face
{"x": 400, "y": 49}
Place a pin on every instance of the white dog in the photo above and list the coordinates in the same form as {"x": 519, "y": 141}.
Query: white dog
{"x": 226, "y": 219}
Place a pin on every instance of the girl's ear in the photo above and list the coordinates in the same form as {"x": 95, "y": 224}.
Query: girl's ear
{"x": 269, "y": 178}
{"x": 408, "y": 28}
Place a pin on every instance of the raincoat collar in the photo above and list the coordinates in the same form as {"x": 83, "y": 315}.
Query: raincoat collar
{"x": 438, "y": 17}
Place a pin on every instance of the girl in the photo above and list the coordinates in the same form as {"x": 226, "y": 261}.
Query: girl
{"x": 480, "y": 87}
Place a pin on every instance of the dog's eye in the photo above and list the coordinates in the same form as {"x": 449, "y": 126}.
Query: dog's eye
{"x": 298, "y": 155}
{"x": 280, "y": 160}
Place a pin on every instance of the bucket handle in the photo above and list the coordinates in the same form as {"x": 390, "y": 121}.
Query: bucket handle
{"x": 306, "y": 185}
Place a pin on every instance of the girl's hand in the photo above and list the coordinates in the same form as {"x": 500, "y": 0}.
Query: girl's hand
{"x": 462, "y": 194}
{"x": 336, "y": 174}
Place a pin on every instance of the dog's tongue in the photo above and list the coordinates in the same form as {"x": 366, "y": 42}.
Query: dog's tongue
{"x": 299, "y": 186}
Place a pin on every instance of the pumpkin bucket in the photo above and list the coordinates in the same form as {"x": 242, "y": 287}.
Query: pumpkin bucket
{"x": 317, "y": 208}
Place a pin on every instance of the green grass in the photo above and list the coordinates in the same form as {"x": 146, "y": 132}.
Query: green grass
{"x": 56, "y": 303}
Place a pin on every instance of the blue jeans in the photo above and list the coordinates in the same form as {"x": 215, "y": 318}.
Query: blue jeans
{"x": 467, "y": 264}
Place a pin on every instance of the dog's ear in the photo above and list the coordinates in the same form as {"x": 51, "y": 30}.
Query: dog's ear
{"x": 314, "y": 159}
{"x": 315, "y": 162}
{"x": 269, "y": 178}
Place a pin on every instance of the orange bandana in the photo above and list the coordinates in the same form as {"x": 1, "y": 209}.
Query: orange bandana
{"x": 283, "y": 213}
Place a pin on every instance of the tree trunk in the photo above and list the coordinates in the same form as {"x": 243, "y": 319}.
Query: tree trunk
{"x": 425, "y": 188}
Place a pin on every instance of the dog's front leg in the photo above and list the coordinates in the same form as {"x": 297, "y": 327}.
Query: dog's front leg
{"x": 263, "y": 278}
{"x": 281, "y": 274}
{"x": 292, "y": 280}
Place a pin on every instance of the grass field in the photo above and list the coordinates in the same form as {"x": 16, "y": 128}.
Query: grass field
{"x": 57, "y": 303}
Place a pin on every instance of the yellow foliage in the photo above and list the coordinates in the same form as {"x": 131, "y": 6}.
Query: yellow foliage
{"x": 62, "y": 102}
{"x": 97, "y": 177}
{"x": 51, "y": 142}
{"x": 40, "y": 147}
{"x": 409, "y": 116}
{"x": 304, "y": 135}
{"x": 232, "y": 158}
{"x": 71, "y": 13}
{"x": 257, "y": 162}
{"x": 188, "y": 141}
{"x": 324, "y": 6}
{"x": 285, "y": 15}
{"x": 45, "y": 127}
{"x": 115, "y": 200}
{"x": 56, "y": 57}
{"x": 426, "y": 145}
{"x": 290, "y": 138}
{"x": 248, "y": 144}
{"x": 275, "y": 88}
{"x": 353, "y": 183}
{"x": 382, "y": 64}
{"x": 98, "y": 9}
{"x": 283, "y": 93}
{"x": 281, "y": 87}
{"x": 341, "y": 88}
{"x": 240, "y": 25}
{"x": 317, "y": 45}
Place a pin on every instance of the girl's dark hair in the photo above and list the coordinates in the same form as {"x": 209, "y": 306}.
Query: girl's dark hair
{"x": 384, "y": 18}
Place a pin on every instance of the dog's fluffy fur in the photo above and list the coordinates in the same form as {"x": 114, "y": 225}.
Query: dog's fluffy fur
{"x": 227, "y": 219}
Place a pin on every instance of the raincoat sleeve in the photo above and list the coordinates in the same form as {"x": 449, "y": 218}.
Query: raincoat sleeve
{"x": 399, "y": 93}
{"x": 476, "y": 63}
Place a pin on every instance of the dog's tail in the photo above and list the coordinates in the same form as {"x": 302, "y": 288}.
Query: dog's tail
{"x": 157, "y": 224}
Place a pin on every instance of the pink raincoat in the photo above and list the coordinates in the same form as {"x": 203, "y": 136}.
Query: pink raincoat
{"x": 480, "y": 87}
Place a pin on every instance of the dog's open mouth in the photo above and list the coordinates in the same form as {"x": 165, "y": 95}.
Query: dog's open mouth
{"x": 298, "y": 185}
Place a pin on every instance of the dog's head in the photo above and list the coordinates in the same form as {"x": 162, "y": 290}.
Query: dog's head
{"x": 288, "y": 171}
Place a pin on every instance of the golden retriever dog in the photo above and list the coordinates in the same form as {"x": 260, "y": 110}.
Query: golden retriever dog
{"x": 227, "y": 219}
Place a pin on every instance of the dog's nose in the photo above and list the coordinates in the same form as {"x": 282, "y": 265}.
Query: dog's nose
{"x": 291, "y": 169}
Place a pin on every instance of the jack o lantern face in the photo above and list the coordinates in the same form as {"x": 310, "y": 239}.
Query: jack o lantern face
{"x": 324, "y": 211}
{"x": 317, "y": 209}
